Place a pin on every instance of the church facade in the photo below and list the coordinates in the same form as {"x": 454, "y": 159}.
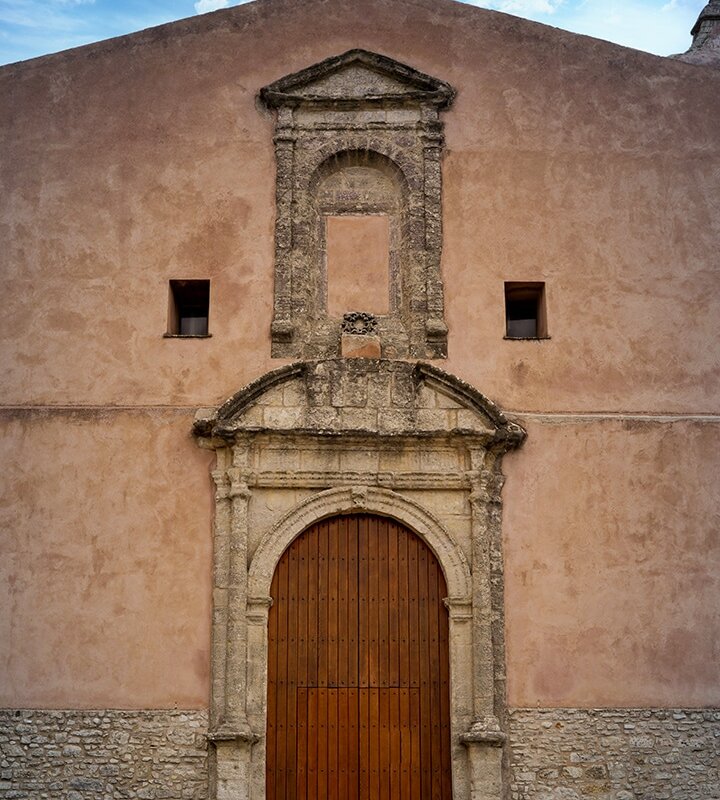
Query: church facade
{"x": 360, "y": 419}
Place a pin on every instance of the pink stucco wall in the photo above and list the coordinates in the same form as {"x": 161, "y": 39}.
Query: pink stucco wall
{"x": 613, "y": 564}
{"x": 568, "y": 160}
{"x": 105, "y": 561}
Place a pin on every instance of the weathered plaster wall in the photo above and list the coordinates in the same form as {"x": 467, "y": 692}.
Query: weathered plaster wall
{"x": 568, "y": 160}
{"x": 358, "y": 264}
{"x": 613, "y": 564}
{"x": 571, "y": 160}
{"x": 105, "y": 556}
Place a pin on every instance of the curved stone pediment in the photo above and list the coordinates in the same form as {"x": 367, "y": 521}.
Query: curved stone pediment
{"x": 383, "y": 397}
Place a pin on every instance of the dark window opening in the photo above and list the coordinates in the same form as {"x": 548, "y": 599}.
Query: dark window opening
{"x": 525, "y": 311}
{"x": 189, "y": 308}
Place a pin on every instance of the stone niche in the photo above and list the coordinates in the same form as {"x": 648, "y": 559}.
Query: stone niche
{"x": 321, "y": 438}
{"x": 358, "y": 135}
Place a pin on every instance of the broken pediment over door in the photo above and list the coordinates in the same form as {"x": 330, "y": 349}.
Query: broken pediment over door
{"x": 358, "y": 147}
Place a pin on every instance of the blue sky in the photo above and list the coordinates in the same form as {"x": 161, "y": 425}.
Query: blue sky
{"x": 30, "y": 28}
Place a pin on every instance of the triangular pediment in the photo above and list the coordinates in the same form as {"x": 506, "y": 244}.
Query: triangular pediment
{"x": 357, "y": 76}
{"x": 356, "y": 81}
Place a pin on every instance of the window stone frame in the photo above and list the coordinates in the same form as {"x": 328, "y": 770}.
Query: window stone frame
{"x": 364, "y": 103}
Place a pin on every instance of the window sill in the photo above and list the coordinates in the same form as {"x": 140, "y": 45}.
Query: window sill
{"x": 187, "y": 335}
{"x": 526, "y": 338}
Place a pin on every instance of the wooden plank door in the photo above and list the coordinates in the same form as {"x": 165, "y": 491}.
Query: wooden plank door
{"x": 358, "y": 676}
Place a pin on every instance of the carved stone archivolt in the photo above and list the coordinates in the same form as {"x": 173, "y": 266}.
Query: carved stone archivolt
{"x": 358, "y": 134}
{"x": 316, "y": 439}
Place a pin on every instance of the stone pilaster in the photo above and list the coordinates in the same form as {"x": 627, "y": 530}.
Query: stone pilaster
{"x": 230, "y": 732}
{"x": 236, "y": 672}
{"x": 221, "y": 567}
{"x": 484, "y": 739}
{"x": 282, "y": 325}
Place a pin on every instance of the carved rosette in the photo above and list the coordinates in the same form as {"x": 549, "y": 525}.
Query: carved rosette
{"x": 359, "y": 323}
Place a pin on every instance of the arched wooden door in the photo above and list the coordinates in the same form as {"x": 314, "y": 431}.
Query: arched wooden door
{"x": 358, "y": 683}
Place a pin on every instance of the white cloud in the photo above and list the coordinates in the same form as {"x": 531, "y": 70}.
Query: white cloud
{"x": 657, "y": 26}
{"x": 203, "y": 6}
{"x": 529, "y": 6}
{"x": 40, "y": 15}
{"x": 522, "y": 8}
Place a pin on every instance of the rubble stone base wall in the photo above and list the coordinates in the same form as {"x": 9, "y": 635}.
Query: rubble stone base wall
{"x": 554, "y": 754}
{"x": 103, "y": 755}
{"x": 614, "y": 754}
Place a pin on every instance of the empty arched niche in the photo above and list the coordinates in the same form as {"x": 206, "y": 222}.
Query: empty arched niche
{"x": 359, "y": 199}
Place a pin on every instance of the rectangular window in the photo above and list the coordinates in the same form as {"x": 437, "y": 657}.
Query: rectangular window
{"x": 189, "y": 308}
{"x": 525, "y": 316}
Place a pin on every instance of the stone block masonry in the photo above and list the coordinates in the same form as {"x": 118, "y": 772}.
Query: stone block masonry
{"x": 103, "y": 755}
{"x": 614, "y": 754}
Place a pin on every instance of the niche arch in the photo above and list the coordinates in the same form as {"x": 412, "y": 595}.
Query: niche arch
{"x": 334, "y": 161}
{"x": 365, "y": 191}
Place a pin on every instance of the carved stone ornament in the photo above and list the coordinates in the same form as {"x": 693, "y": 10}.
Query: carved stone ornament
{"x": 359, "y": 323}
{"x": 358, "y": 134}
